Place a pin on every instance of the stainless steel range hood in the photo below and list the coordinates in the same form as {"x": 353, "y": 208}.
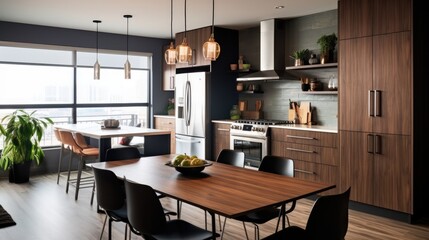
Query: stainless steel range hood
{"x": 272, "y": 53}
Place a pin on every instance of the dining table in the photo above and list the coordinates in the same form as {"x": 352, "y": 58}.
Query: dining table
{"x": 219, "y": 189}
{"x": 156, "y": 141}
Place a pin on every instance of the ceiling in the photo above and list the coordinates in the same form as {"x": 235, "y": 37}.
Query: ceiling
{"x": 151, "y": 18}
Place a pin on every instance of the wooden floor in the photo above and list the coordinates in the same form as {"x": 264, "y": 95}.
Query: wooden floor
{"x": 43, "y": 211}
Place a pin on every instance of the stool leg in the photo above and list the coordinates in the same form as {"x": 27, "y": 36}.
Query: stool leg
{"x": 79, "y": 174}
{"x": 69, "y": 170}
{"x": 59, "y": 163}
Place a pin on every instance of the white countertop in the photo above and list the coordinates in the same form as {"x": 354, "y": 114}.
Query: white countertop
{"x": 317, "y": 128}
{"x": 165, "y": 116}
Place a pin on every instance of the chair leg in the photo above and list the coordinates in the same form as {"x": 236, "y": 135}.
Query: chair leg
{"x": 69, "y": 170}
{"x": 179, "y": 208}
{"x": 110, "y": 229}
{"x": 245, "y": 231}
{"x": 79, "y": 174}
{"x": 256, "y": 231}
{"x": 220, "y": 223}
{"x": 92, "y": 194}
{"x": 59, "y": 163}
{"x": 224, "y": 225}
{"x": 104, "y": 225}
{"x": 126, "y": 228}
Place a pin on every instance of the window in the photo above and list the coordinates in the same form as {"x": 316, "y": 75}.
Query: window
{"x": 46, "y": 80}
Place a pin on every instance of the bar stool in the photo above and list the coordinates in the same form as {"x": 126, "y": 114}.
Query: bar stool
{"x": 63, "y": 148}
{"x": 84, "y": 154}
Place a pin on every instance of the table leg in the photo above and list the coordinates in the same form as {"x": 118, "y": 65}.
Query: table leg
{"x": 213, "y": 224}
{"x": 103, "y": 145}
{"x": 283, "y": 213}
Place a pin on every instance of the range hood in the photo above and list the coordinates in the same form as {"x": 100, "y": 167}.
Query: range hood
{"x": 272, "y": 53}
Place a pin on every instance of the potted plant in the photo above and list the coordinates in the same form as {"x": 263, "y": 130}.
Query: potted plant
{"x": 327, "y": 46}
{"x": 300, "y": 56}
{"x": 22, "y": 135}
{"x": 170, "y": 107}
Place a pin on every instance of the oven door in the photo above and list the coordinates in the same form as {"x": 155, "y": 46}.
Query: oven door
{"x": 254, "y": 149}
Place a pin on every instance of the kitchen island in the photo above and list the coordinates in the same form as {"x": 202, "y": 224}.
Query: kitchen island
{"x": 156, "y": 142}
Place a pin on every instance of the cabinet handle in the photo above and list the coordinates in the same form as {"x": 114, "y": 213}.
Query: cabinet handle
{"x": 370, "y": 143}
{"x": 223, "y": 129}
{"x": 304, "y": 171}
{"x": 377, "y": 103}
{"x": 370, "y": 103}
{"x": 300, "y": 150}
{"x": 301, "y": 137}
{"x": 377, "y": 144}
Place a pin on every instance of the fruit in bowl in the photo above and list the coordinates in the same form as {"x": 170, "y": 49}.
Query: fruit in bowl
{"x": 188, "y": 165}
{"x": 184, "y": 160}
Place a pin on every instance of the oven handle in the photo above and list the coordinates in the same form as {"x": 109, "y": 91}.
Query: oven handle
{"x": 300, "y": 150}
{"x": 223, "y": 129}
{"x": 250, "y": 139}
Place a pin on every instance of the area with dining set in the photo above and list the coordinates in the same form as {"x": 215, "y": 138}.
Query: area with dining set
{"x": 213, "y": 120}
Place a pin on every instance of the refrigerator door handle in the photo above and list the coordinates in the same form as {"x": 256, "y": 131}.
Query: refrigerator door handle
{"x": 188, "y": 103}
{"x": 187, "y": 141}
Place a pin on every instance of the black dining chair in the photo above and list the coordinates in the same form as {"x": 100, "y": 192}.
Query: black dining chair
{"x": 329, "y": 219}
{"x": 230, "y": 157}
{"x": 146, "y": 216}
{"x": 276, "y": 165}
{"x": 111, "y": 198}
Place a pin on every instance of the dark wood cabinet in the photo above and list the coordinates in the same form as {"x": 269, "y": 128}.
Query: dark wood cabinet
{"x": 220, "y": 138}
{"x": 315, "y": 154}
{"x": 375, "y": 102}
{"x": 362, "y": 18}
{"x": 196, "y": 39}
{"x": 379, "y": 175}
{"x": 375, "y": 84}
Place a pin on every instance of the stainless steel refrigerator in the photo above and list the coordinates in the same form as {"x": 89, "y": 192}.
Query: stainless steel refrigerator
{"x": 192, "y": 113}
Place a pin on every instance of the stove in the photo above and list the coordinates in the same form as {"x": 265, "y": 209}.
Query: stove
{"x": 254, "y": 127}
{"x": 252, "y": 137}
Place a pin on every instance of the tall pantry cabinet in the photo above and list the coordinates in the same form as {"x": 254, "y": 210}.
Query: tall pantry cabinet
{"x": 375, "y": 102}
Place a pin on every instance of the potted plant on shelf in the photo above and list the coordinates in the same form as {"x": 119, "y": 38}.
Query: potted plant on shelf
{"x": 327, "y": 46}
{"x": 22, "y": 135}
{"x": 300, "y": 56}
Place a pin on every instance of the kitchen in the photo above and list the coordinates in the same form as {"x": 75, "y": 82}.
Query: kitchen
{"x": 275, "y": 99}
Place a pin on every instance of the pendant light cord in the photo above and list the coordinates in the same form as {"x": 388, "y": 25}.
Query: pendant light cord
{"x": 213, "y": 17}
{"x": 127, "y": 36}
{"x": 185, "y": 18}
{"x": 171, "y": 20}
{"x": 96, "y": 43}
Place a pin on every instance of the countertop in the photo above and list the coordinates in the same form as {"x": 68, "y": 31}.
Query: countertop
{"x": 164, "y": 116}
{"x": 317, "y": 128}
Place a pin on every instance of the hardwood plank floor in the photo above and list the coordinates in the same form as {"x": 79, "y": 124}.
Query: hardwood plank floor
{"x": 43, "y": 211}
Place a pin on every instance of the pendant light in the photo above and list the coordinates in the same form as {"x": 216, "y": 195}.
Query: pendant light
{"x": 183, "y": 51}
{"x": 127, "y": 65}
{"x": 170, "y": 54}
{"x": 211, "y": 49}
{"x": 96, "y": 65}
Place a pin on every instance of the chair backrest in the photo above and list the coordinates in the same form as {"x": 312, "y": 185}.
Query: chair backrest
{"x": 110, "y": 189}
{"x": 277, "y": 165}
{"x": 80, "y": 140}
{"x": 231, "y": 157}
{"x": 329, "y": 217}
{"x": 145, "y": 212}
{"x": 68, "y": 139}
{"x": 122, "y": 153}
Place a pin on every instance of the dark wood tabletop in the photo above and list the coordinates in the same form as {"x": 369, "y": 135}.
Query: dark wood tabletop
{"x": 220, "y": 188}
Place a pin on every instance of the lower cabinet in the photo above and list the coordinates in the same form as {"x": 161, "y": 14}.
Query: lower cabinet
{"x": 167, "y": 123}
{"x": 220, "y": 138}
{"x": 315, "y": 154}
{"x": 378, "y": 167}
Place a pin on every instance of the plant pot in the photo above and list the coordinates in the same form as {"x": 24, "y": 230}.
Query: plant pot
{"x": 171, "y": 112}
{"x": 20, "y": 173}
{"x": 299, "y": 62}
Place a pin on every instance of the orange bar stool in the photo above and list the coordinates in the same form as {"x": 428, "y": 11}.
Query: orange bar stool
{"x": 64, "y": 147}
{"x": 84, "y": 154}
